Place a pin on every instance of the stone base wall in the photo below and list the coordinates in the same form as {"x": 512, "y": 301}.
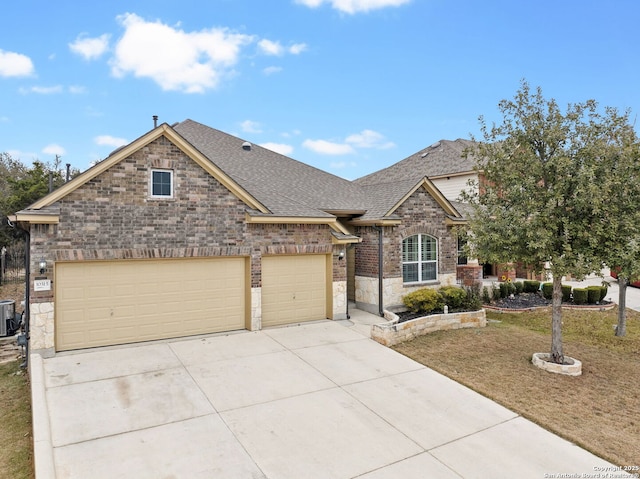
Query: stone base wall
{"x": 41, "y": 326}
{"x": 256, "y": 309}
{"x": 339, "y": 300}
{"x": 392, "y": 332}
{"x": 393, "y": 290}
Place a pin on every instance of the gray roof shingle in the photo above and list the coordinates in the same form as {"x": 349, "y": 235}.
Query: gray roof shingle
{"x": 443, "y": 158}
{"x": 285, "y": 186}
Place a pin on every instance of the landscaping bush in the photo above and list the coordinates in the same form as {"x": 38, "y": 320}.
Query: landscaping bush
{"x": 495, "y": 290}
{"x": 580, "y": 295}
{"x": 566, "y": 293}
{"x": 486, "y": 296}
{"x": 604, "y": 289}
{"x": 593, "y": 294}
{"x": 531, "y": 286}
{"x": 472, "y": 300}
{"x": 423, "y": 300}
{"x": 547, "y": 290}
{"x": 453, "y": 296}
{"x": 519, "y": 285}
{"x": 503, "y": 290}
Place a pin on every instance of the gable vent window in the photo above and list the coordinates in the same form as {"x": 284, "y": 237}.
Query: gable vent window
{"x": 419, "y": 259}
{"x": 161, "y": 184}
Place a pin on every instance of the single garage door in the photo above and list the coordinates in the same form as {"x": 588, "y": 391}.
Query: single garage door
{"x": 294, "y": 289}
{"x": 102, "y": 303}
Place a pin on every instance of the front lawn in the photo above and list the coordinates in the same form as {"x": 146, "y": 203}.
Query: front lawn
{"x": 599, "y": 410}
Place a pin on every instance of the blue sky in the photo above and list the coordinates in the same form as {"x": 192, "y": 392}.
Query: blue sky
{"x": 348, "y": 86}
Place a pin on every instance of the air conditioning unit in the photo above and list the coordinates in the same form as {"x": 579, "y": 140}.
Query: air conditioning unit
{"x": 7, "y": 314}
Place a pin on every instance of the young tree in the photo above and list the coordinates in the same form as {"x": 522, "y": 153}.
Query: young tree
{"x": 538, "y": 199}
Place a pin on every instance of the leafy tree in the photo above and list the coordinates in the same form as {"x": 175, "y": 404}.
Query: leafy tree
{"x": 620, "y": 183}
{"x": 21, "y": 186}
{"x": 538, "y": 199}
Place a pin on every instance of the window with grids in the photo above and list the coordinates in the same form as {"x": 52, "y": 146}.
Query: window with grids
{"x": 162, "y": 183}
{"x": 419, "y": 259}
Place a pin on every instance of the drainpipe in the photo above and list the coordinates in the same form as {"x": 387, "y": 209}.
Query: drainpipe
{"x": 380, "y": 265}
{"x": 23, "y": 339}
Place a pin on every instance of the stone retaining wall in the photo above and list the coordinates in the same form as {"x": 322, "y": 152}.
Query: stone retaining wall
{"x": 392, "y": 332}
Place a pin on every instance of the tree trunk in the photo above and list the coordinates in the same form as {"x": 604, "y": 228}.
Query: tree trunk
{"x": 557, "y": 356}
{"x": 621, "y": 328}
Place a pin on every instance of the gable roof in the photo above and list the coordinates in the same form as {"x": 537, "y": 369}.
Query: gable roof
{"x": 385, "y": 198}
{"x": 443, "y": 158}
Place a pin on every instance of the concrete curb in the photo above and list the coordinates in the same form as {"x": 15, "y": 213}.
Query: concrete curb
{"x": 42, "y": 445}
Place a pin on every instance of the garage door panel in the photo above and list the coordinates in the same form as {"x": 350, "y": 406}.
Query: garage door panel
{"x": 293, "y": 289}
{"x": 117, "y": 302}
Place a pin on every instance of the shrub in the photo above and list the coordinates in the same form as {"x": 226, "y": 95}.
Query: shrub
{"x": 486, "y": 296}
{"x": 547, "y": 290}
{"x": 504, "y": 290}
{"x": 495, "y": 290}
{"x": 423, "y": 300}
{"x": 519, "y": 285}
{"x": 453, "y": 296}
{"x": 566, "y": 293}
{"x": 580, "y": 295}
{"x": 604, "y": 289}
{"x": 593, "y": 294}
{"x": 531, "y": 286}
{"x": 472, "y": 301}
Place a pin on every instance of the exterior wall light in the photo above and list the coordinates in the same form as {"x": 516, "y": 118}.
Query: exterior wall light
{"x": 43, "y": 266}
{"x": 341, "y": 255}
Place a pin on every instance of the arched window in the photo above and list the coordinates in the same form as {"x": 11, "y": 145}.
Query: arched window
{"x": 419, "y": 259}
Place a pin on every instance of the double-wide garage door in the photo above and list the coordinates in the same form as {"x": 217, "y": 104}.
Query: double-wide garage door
{"x": 103, "y": 303}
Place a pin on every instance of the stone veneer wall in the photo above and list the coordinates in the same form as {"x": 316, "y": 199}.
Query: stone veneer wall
{"x": 113, "y": 217}
{"x": 392, "y": 332}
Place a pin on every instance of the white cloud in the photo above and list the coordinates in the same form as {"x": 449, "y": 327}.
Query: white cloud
{"x": 42, "y": 90}
{"x": 109, "y": 140}
{"x": 15, "y": 65}
{"x": 77, "y": 89}
{"x": 339, "y": 165}
{"x": 249, "y": 126}
{"x": 369, "y": 139}
{"x": 281, "y": 148}
{"x": 191, "y": 62}
{"x": 269, "y": 47}
{"x": 297, "y": 48}
{"x": 271, "y": 70}
{"x": 90, "y": 48}
{"x": 54, "y": 149}
{"x": 354, "y": 6}
{"x": 327, "y": 147}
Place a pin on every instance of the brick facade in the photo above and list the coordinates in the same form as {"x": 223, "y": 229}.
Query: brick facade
{"x": 113, "y": 217}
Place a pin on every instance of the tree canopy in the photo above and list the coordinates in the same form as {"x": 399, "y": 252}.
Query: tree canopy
{"x": 539, "y": 198}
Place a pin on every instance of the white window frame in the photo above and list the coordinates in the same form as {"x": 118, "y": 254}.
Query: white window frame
{"x": 420, "y": 262}
{"x": 151, "y": 183}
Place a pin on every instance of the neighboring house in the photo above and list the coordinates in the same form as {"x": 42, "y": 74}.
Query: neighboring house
{"x": 188, "y": 230}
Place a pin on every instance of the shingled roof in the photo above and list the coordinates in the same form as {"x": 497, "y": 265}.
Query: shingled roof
{"x": 444, "y": 158}
{"x": 285, "y": 186}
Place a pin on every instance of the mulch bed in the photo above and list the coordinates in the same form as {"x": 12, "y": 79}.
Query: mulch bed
{"x": 520, "y": 301}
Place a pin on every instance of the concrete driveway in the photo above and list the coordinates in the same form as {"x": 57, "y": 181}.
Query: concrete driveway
{"x": 319, "y": 400}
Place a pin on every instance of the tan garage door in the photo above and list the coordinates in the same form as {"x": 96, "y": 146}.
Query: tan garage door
{"x": 294, "y": 289}
{"x": 102, "y": 303}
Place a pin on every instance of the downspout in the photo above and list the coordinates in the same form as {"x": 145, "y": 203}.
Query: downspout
{"x": 380, "y": 275}
{"x": 27, "y": 291}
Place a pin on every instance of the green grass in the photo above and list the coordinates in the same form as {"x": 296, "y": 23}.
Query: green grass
{"x": 16, "y": 450}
